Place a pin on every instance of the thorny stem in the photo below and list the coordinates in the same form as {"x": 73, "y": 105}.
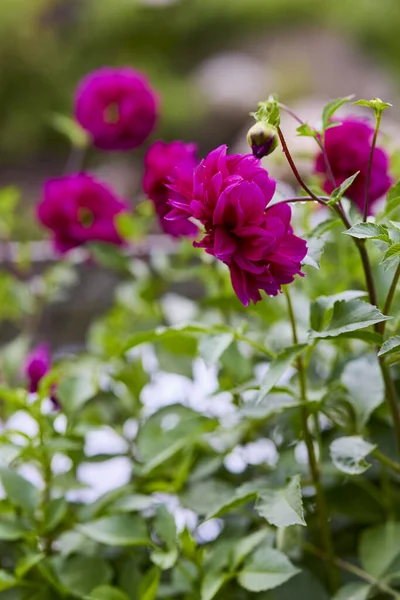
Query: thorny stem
{"x": 371, "y": 158}
{"x": 350, "y": 568}
{"x": 323, "y": 515}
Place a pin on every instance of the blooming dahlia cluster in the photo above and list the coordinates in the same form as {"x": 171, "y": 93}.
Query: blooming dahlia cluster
{"x": 117, "y": 107}
{"x": 348, "y": 148}
{"x": 79, "y": 209}
{"x": 229, "y": 195}
{"x": 166, "y": 163}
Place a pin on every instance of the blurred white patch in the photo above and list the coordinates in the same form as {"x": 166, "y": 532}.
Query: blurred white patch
{"x": 262, "y": 369}
{"x": 101, "y": 478}
{"x": 130, "y": 429}
{"x": 60, "y": 463}
{"x": 104, "y": 441}
{"x": 164, "y": 390}
{"x": 261, "y": 452}
{"x": 209, "y": 531}
{"x": 32, "y": 474}
{"x": 22, "y": 421}
{"x": 178, "y": 309}
{"x": 233, "y": 80}
{"x": 184, "y": 517}
{"x": 60, "y": 423}
{"x": 301, "y": 454}
{"x": 170, "y": 421}
{"x": 234, "y": 462}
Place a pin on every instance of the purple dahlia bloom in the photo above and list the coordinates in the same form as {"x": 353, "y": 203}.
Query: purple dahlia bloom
{"x": 79, "y": 209}
{"x": 230, "y": 198}
{"x": 348, "y": 148}
{"x": 164, "y": 164}
{"x": 117, "y": 107}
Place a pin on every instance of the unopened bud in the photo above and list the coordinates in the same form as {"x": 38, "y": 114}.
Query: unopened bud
{"x": 262, "y": 139}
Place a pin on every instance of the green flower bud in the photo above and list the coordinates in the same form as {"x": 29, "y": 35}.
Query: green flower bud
{"x": 262, "y": 139}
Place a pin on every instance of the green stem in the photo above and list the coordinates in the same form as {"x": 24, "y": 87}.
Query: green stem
{"x": 371, "y": 158}
{"x": 385, "y": 460}
{"x": 350, "y": 568}
{"x": 47, "y": 477}
{"x": 390, "y": 296}
{"x": 322, "y": 509}
{"x": 391, "y": 398}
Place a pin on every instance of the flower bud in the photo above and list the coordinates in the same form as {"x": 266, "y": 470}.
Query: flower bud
{"x": 262, "y": 139}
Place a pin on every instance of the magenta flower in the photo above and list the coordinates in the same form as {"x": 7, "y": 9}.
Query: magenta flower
{"x": 79, "y": 209}
{"x": 117, "y": 107}
{"x": 230, "y": 198}
{"x": 37, "y": 364}
{"x": 166, "y": 163}
{"x": 348, "y": 148}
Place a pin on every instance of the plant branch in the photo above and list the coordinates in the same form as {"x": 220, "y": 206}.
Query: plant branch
{"x": 371, "y": 158}
{"x": 322, "y": 509}
{"x": 390, "y": 296}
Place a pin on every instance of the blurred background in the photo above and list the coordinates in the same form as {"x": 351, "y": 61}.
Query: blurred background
{"x": 210, "y": 60}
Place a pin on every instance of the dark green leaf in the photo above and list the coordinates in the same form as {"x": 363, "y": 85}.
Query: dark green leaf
{"x": 56, "y": 510}
{"x": 11, "y": 531}
{"x": 106, "y": 592}
{"x": 80, "y": 574}
{"x": 365, "y": 231}
{"x": 379, "y": 548}
{"x": 27, "y": 562}
{"x": 391, "y": 257}
{"x": 212, "y": 583}
{"x": 391, "y": 346}
{"x": 164, "y": 560}
{"x": 363, "y": 379}
{"x": 353, "y": 591}
{"x": 349, "y": 316}
{"x": 149, "y": 585}
{"x": 165, "y": 526}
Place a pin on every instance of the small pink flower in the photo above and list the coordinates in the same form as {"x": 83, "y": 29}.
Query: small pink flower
{"x": 348, "y": 148}
{"x": 117, "y": 107}
{"x": 164, "y": 164}
{"x": 230, "y": 197}
{"x": 79, "y": 209}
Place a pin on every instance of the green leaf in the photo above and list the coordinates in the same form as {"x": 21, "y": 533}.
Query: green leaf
{"x": 212, "y": 583}
{"x": 391, "y": 346}
{"x": 282, "y": 507}
{"x": 164, "y": 560}
{"x": 365, "y": 231}
{"x": 349, "y": 316}
{"x": 71, "y": 130}
{"x": 348, "y": 454}
{"x": 392, "y": 202}
{"x": 306, "y": 130}
{"x": 322, "y": 304}
{"x": 134, "y": 503}
{"x": 80, "y": 574}
{"x": 340, "y": 191}
{"x": 315, "y": 248}
{"x": 117, "y": 530}
{"x": 331, "y": 107}
{"x": 391, "y": 257}
{"x": 128, "y": 226}
{"x": 11, "y": 531}
{"x": 278, "y": 367}
{"x": 26, "y": 563}
{"x": 363, "y": 379}
{"x": 212, "y": 347}
{"x": 246, "y": 545}
{"x": 7, "y": 581}
{"x": 76, "y": 388}
{"x": 266, "y": 569}
{"x": 242, "y": 496}
{"x": 377, "y": 105}
{"x": 272, "y": 404}
{"x": 165, "y": 527}
{"x": 149, "y": 584}
{"x": 380, "y": 548}
{"x": 55, "y": 511}
{"x": 106, "y": 592}
{"x": 353, "y": 591}
{"x": 20, "y": 491}
{"x": 208, "y": 496}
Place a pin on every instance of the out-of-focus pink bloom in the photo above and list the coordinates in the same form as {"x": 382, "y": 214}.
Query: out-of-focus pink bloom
{"x": 348, "y": 148}
{"x": 37, "y": 364}
{"x": 230, "y": 197}
{"x": 164, "y": 164}
{"x": 79, "y": 209}
{"x": 117, "y": 107}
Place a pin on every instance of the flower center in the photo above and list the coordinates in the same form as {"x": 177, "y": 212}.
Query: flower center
{"x": 85, "y": 217}
{"x": 111, "y": 113}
